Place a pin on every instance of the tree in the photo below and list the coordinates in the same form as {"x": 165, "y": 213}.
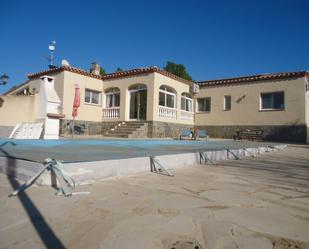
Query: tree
{"x": 119, "y": 69}
{"x": 102, "y": 71}
{"x": 177, "y": 69}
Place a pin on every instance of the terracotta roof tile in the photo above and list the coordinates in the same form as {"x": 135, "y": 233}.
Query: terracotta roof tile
{"x": 61, "y": 69}
{"x": 137, "y": 71}
{"x": 109, "y": 76}
{"x": 246, "y": 79}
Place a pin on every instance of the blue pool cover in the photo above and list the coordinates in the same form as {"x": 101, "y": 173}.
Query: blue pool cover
{"x": 95, "y": 150}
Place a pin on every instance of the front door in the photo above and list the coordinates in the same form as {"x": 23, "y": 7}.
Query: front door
{"x": 138, "y": 104}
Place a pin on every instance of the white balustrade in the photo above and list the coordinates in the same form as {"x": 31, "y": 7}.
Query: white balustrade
{"x": 111, "y": 113}
{"x": 167, "y": 112}
{"x": 187, "y": 115}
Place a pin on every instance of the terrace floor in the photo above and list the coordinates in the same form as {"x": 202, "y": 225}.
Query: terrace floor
{"x": 260, "y": 202}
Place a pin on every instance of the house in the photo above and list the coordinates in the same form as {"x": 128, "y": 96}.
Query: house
{"x": 151, "y": 102}
{"x": 149, "y": 96}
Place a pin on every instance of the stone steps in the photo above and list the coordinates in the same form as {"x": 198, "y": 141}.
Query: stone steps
{"x": 127, "y": 130}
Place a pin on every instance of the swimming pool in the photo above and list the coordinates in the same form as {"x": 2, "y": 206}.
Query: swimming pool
{"x": 97, "y": 150}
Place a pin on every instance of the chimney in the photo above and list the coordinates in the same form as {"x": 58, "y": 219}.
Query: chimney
{"x": 95, "y": 68}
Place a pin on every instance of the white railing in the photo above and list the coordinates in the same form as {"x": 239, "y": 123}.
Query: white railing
{"x": 187, "y": 115}
{"x": 111, "y": 113}
{"x": 167, "y": 112}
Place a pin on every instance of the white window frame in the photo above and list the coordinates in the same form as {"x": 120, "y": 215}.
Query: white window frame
{"x": 272, "y": 101}
{"x": 224, "y": 103}
{"x": 91, "y": 92}
{"x": 111, "y": 92}
{"x": 186, "y": 98}
{"x": 197, "y": 105}
{"x": 166, "y": 92}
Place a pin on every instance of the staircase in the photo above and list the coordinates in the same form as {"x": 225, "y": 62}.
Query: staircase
{"x": 27, "y": 131}
{"x": 132, "y": 129}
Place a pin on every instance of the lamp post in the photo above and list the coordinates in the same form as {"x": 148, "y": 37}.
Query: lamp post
{"x": 4, "y": 79}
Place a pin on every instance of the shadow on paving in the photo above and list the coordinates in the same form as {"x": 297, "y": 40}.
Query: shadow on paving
{"x": 274, "y": 169}
{"x": 47, "y": 235}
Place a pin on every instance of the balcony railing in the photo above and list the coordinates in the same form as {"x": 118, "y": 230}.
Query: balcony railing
{"x": 167, "y": 112}
{"x": 187, "y": 115}
{"x": 111, "y": 113}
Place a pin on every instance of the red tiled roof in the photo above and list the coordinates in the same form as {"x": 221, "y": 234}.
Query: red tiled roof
{"x": 137, "y": 71}
{"x": 143, "y": 71}
{"x": 109, "y": 76}
{"x": 246, "y": 79}
{"x": 61, "y": 69}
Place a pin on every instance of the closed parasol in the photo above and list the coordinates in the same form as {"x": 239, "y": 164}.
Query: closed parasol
{"x": 76, "y": 105}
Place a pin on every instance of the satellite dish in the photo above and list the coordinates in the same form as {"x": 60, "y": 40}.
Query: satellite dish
{"x": 65, "y": 63}
{"x": 51, "y": 47}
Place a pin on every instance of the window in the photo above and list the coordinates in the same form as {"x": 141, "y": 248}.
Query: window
{"x": 166, "y": 97}
{"x": 203, "y": 105}
{"x": 92, "y": 97}
{"x": 272, "y": 101}
{"x": 112, "y": 97}
{"x": 186, "y": 102}
{"x": 227, "y": 102}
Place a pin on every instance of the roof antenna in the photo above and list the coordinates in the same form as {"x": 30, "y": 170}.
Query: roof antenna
{"x": 51, "y": 49}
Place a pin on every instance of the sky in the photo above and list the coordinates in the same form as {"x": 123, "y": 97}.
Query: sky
{"x": 213, "y": 39}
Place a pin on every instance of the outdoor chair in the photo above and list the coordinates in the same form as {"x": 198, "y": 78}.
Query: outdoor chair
{"x": 79, "y": 129}
{"x": 186, "y": 134}
{"x": 201, "y": 135}
{"x": 251, "y": 134}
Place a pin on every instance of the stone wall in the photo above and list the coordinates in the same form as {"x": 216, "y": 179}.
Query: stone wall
{"x": 86, "y": 127}
{"x": 152, "y": 129}
{"x": 158, "y": 129}
{"x": 280, "y": 133}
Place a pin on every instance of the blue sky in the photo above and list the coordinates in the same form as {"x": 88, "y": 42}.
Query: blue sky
{"x": 213, "y": 39}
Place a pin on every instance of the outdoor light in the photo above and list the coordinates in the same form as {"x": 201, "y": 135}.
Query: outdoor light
{"x": 4, "y": 79}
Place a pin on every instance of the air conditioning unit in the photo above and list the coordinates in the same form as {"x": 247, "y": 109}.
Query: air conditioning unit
{"x": 195, "y": 88}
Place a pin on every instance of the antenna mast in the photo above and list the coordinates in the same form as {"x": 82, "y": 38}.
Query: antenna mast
{"x": 51, "y": 48}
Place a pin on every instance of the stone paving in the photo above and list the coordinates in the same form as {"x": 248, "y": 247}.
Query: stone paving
{"x": 260, "y": 202}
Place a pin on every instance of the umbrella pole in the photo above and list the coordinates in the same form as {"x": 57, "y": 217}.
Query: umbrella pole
{"x": 73, "y": 127}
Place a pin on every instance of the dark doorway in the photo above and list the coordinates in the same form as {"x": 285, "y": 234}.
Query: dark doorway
{"x": 138, "y": 102}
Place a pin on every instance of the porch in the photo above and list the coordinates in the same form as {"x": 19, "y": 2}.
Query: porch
{"x": 136, "y": 104}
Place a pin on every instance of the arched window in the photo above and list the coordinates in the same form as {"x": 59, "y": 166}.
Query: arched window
{"x": 112, "y": 97}
{"x": 167, "y": 96}
{"x": 186, "y": 102}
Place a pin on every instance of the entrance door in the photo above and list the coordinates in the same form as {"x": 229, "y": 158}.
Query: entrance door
{"x": 138, "y": 104}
